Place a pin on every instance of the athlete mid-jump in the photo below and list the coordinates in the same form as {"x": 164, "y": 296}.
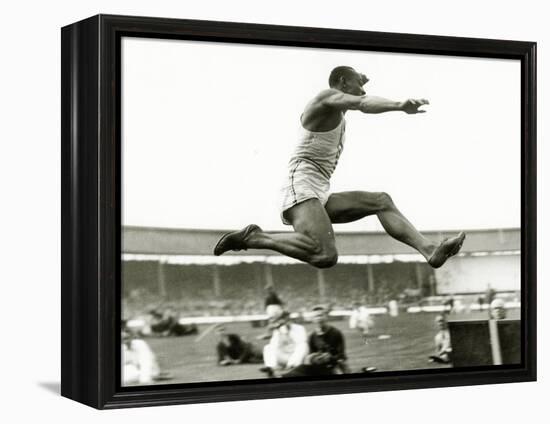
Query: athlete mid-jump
{"x": 307, "y": 204}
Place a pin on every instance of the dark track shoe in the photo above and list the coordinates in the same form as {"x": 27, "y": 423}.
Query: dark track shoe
{"x": 235, "y": 240}
{"x": 448, "y": 247}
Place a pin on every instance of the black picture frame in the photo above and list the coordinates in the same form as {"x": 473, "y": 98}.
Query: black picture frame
{"x": 91, "y": 204}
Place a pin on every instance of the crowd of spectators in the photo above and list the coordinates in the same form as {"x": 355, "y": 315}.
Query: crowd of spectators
{"x": 242, "y": 293}
{"x": 250, "y": 302}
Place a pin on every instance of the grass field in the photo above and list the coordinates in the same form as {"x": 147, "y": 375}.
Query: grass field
{"x": 408, "y": 347}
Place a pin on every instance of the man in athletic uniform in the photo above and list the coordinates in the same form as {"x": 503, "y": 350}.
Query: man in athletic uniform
{"x": 360, "y": 320}
{"x": 307, "y": 204}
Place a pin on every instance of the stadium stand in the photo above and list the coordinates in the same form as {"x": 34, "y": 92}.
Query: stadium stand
{"x": 171, "y": 267}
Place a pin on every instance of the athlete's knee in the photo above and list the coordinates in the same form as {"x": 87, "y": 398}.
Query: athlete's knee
{"x": 326, "y": 259}
{"x": 384, "y": 201}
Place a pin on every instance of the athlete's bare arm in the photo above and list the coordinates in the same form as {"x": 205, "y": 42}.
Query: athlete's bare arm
{"x": 325, "y": 110}
{"x": 368, "y": 104}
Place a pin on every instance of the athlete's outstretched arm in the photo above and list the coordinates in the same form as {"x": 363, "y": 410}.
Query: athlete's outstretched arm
{"x": 369, "y": 104}
{"x": 373, "y": 104}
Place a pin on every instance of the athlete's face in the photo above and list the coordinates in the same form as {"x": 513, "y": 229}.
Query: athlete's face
{"x": 319, "y": 319}
{"x": 441, "y": 323}
{"x": 354, "y": 83}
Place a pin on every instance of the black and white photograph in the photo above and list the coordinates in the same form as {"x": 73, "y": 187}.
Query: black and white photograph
{"x": 267, "y": 212}
{"x": 294, "y": 213}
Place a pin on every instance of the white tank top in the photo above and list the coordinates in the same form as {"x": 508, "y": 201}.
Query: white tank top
{"x": 321, "y": 149}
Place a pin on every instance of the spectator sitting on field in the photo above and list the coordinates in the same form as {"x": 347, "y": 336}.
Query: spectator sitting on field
{"x": 166, "y": 324}
{"x": 287, "y": 347}
{"x": 139, "y": 362}
{"x": 442, "y": 340}
{"x": 327, "y": 350}
{"x": 232, "y": 349}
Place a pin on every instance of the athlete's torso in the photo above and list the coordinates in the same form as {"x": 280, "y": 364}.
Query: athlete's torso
{"x": 443, "y": 340}
{"x": 288, "y": 337}
{"x": 322, "y": 149}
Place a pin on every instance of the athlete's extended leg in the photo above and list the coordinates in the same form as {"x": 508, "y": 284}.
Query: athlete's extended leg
{"x": 353, "y": 205}
{"x": 312, "y": 241}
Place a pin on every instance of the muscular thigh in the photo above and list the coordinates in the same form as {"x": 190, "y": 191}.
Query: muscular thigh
{"x": 350, "y": 206}
{"x": 311, "y": 218}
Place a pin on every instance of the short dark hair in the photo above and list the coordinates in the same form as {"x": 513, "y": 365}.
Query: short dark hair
{"x": 337, "y": 73}
{"x": 320, "y": 308}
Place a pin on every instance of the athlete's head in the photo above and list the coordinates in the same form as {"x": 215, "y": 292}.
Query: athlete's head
{"x": 348, "y": 80}
{"x": 279, "y": 320}
{"x": 497, "y": 308}
{"x": 222, "y": 334}
{"x": 319, "y": 316}
{"x": 441, "y": 322}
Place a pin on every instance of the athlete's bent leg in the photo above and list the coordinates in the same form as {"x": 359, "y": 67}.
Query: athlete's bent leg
{"x": 351, "y": 206}
{"x": 354, "y": 205}
{"x": 312, "y": 241}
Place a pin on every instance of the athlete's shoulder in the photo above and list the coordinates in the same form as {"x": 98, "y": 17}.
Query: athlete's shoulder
{"x": 333, "y": 329}
{"x": 298, "y": 328}
{"x": 334, "y": 332}
{"x": 327, "y": 93}
{"x": 323, "y": 100}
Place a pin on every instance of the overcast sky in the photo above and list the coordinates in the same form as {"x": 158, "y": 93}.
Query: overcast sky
{"x": 208, "y": 129}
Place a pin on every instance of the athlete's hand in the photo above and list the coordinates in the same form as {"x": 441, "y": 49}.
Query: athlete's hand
{"x": 319, "y": 358}
{"x": 411, "y": 106}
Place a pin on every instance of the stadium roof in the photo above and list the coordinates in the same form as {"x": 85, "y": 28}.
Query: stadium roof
{"x": 167, "y": 241}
